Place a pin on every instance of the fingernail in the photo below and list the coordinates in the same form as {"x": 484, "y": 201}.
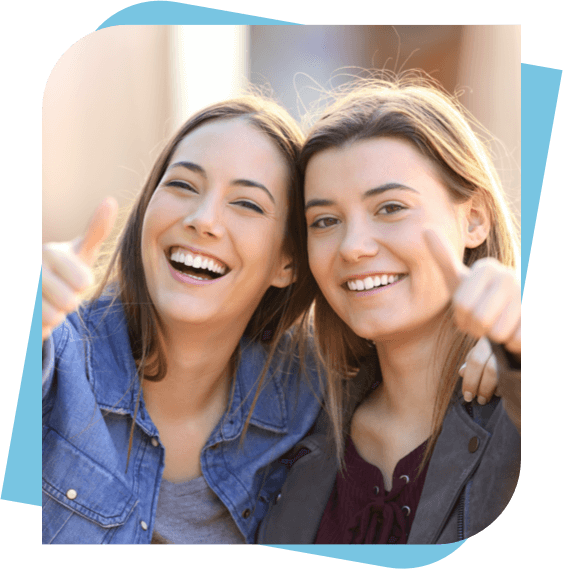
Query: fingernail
{"x": 481, "y": 400}
{"x": 497, "y": 392}
{"x": 462, "y": 368}
{"x": 468, "y": 396}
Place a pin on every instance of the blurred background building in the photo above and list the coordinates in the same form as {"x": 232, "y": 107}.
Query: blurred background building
{"x": 116, "y": 96}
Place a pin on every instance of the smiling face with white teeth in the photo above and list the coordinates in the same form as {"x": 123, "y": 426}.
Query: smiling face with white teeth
{"x": 367, "y": 204}
{"x": 213, "y": 233}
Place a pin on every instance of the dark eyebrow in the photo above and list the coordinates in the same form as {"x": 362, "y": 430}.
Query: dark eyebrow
{"x": 253, "y": 184}
{"x": 241, "y": 182}
{"x": 368, "y": 194}
{"x": 190, "y": 166}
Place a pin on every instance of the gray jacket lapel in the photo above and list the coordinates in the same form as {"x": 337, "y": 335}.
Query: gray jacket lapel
{"x": 458, "y": 451}
{"x": 308, "y": 487}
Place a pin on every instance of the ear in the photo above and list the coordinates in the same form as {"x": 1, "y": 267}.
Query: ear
{"x": 477, "y": 222}
{"x": 285, "y": 274}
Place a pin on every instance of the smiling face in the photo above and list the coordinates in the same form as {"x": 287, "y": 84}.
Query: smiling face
{"x": 213, "y": 233}
{"x": 367, "y": 205}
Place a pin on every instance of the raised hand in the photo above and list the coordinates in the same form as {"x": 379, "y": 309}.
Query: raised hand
{"x": 485, "y": 297}
{"x": 66, "y": 267}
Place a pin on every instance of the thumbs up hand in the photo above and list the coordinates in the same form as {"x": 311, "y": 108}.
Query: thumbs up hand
{"x": 485, "y": 297}
{"x": 67, "y": 267}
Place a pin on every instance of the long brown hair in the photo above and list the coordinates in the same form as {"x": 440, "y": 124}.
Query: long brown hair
{"x": 413, "y": 108}
{"x": 124, "y": 275}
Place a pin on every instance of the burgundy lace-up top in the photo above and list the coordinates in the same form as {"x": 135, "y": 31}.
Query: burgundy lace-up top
{"x": 360, "y": 510}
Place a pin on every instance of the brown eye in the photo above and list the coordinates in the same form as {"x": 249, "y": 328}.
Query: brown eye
{"x": 390, "y": 208}
{"x": 324, "y": 222}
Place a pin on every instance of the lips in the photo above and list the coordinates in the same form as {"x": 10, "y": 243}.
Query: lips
{"x": 196, "y": 264}
{"x": 375, "y": 280}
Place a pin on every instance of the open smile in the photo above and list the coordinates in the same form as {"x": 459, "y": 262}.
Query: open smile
{"x": 374, "y": 281}
{"x": 196, "y": 265}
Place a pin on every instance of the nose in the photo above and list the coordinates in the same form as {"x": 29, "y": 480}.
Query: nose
{"x": 359, "y": 241}
{"x": 205, "y": 218}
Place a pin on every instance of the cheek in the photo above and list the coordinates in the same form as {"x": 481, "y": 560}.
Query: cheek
{"x": 320, "y": 254}
{"x": 149, "y": 230}
{"x": 261, "y": 246}
{"x": 155, "y": 222}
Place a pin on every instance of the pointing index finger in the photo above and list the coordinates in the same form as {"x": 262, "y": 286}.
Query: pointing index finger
{"x": 453, "y": 270}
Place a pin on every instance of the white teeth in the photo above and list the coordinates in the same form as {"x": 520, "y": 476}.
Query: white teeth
{"x": 372, "y": 282}
{"x": 196, "y": 261}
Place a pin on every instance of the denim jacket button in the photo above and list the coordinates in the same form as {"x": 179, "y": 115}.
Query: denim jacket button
{"x": 213, "y": 447}
{"x": 154, "y": 442}
{"x": 246, "y": 513}
{"x": 71, "y": 494}
{"x": 144, "y": 525}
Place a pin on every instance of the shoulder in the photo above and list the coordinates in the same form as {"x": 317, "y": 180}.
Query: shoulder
{"x": 105, "y": 312}
{"x": 287, "y": 387}
{"x": 290, "y": 364}
{"x": 97, "y": 332}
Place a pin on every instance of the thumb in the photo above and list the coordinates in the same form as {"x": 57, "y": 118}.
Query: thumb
{"x": 99, "y": 228}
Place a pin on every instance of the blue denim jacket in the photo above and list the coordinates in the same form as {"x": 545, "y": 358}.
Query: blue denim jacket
{"x": 90, "y": 387}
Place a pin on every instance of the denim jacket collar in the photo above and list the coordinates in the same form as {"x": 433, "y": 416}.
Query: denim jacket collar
{"x": 115, "y": 382}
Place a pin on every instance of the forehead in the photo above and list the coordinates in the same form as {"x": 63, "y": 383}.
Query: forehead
{"x": 366, "y": 164}
{"x": 235, "y": 142}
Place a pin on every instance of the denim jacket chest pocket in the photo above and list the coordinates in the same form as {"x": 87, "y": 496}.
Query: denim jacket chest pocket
{"x": 75, "y": 486}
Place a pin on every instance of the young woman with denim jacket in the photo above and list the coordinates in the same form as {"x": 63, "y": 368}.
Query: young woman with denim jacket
{"x": 414, "y": 252}
{"x": 178, "y": 369}
{"x": 219, "y": 398}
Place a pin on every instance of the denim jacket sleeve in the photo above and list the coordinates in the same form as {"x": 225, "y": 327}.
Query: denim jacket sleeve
{"x": 87, "y": 495}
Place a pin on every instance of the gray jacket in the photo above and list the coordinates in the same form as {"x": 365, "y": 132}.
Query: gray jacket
{"x": 471, "y": 477}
